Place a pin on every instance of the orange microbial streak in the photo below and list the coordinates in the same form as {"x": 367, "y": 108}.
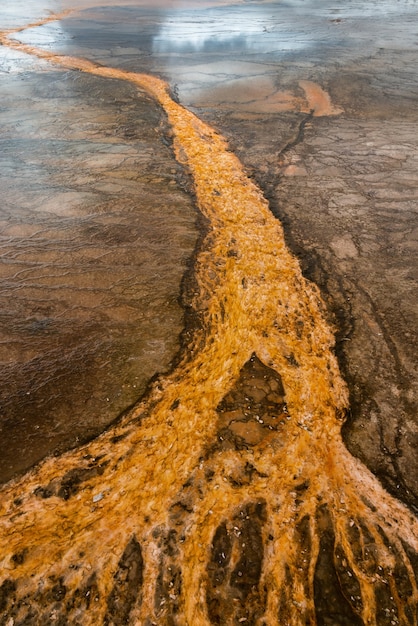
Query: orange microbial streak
{"x": 227, "y": 495}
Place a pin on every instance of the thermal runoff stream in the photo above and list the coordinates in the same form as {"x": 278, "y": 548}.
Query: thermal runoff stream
{"x": 227, "y": 495}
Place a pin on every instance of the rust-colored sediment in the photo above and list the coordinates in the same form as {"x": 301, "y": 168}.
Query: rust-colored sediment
{"x": 227, "y": 496}
{"x": 318, "y": 100}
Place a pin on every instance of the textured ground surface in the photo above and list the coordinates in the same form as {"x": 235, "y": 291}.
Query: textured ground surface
{"x": 96, "y": 234}
{"x": 317, "y": 102}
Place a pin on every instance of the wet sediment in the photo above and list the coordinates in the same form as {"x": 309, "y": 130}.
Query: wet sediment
{"x": 331, "y": 190}
{"x": 96, "y": 232}
{"x": 222, "y": 493}
{"x": 356, "y": 240}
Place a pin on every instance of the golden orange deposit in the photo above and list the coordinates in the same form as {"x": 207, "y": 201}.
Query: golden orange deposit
{"x": 133, "y": 538}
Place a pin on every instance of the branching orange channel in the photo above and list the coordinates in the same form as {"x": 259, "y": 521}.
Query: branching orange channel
{"x": 227, "y": 495}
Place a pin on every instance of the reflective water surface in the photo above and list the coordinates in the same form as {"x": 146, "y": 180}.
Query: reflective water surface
{"x": 96, "y": 234}
{"x": 228, "y": 493}
{"x": 71, "y": 273}
{"x": 220, "y": 497}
